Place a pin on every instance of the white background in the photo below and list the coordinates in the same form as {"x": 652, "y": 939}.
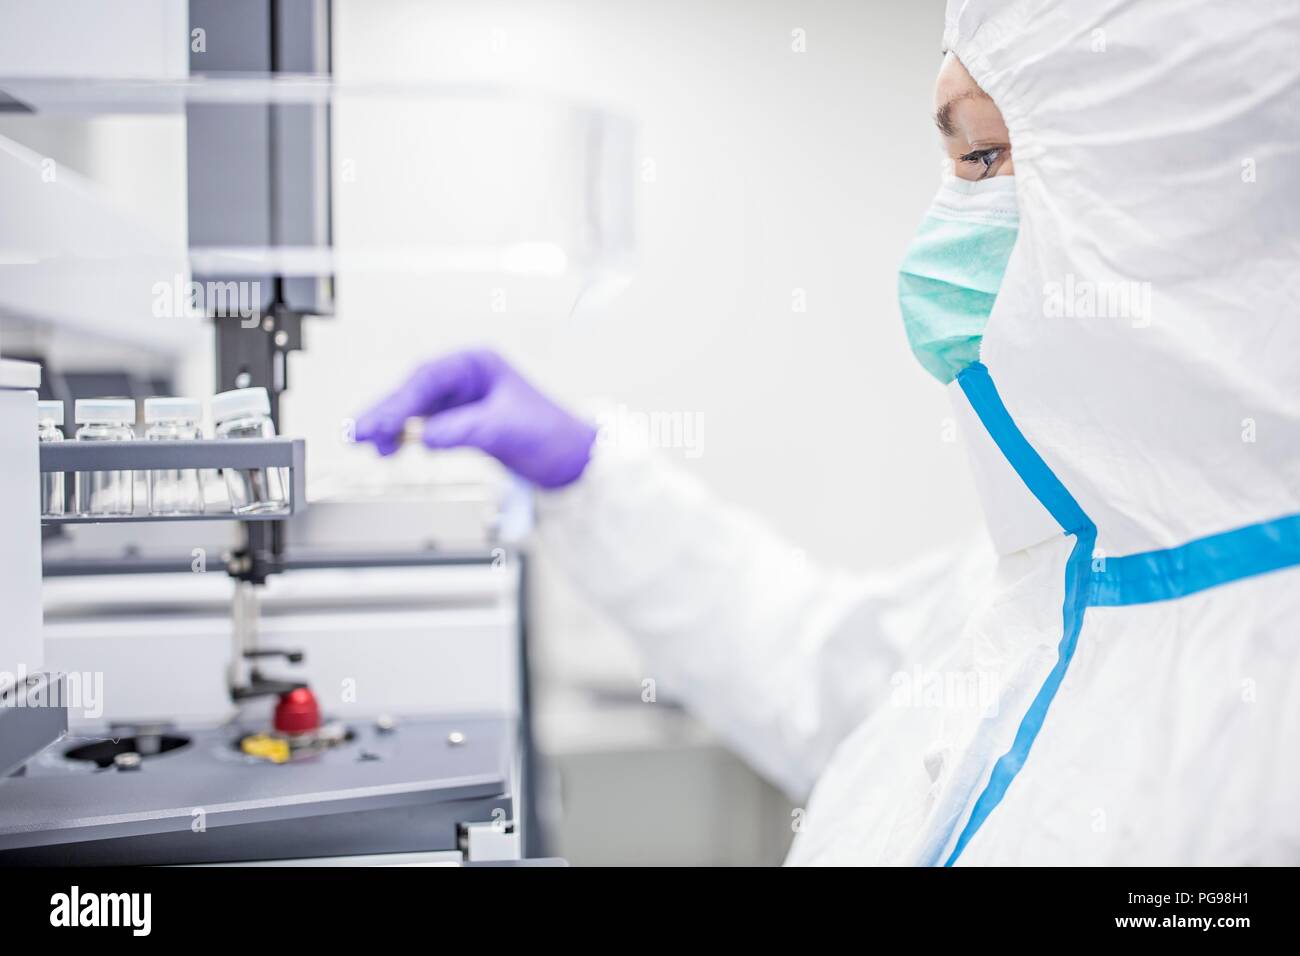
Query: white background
{"x": 773, "y": 171}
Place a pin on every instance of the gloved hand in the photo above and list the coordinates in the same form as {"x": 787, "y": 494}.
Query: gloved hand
{"x": 476, "y": 399}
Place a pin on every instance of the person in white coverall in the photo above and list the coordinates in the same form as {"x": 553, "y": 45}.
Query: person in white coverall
{"x": 1106, "y": 283}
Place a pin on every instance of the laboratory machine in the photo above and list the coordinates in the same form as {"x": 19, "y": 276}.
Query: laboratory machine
{"x": 200, "y": 665}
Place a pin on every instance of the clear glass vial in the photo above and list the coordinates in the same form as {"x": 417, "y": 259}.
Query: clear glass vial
{"x": 49, "y": 427}
{"x": 105, "y": 492}
{"x": 246, "y": 413}
{"x": 174, "y": 491}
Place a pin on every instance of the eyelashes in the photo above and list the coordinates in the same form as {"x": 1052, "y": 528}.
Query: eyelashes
{"x": 986, "y": 160}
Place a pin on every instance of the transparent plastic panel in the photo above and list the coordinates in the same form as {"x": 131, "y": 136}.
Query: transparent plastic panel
{"x": 489, "y": 182}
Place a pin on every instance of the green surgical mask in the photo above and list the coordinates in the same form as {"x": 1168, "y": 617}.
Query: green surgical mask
{"x": 950, "y": 276}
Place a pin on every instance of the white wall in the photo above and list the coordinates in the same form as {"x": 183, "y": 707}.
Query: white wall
{"x": 89, "y": 38}
{"x": 107, "y": 186}
{"x": 774, "y": 171}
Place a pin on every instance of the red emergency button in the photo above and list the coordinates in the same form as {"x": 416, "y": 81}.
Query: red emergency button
{"x": 297, "y": 712}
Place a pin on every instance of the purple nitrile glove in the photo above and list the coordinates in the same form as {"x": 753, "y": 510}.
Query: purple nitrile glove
{"x": 476, "y": 399}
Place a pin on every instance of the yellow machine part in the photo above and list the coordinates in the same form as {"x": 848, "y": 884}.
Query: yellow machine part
{"x": 266, "y": 747}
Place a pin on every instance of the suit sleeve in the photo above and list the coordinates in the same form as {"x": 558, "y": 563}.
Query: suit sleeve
{"x": 782, "y": 658}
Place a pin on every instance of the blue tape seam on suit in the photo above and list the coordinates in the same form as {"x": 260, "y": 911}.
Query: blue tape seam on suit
{"x": 1197, "y": 565}
{"x": 1130, "y": 579}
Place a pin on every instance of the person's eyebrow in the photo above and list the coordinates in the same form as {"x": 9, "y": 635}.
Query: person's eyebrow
{"x": 943, "y": 115}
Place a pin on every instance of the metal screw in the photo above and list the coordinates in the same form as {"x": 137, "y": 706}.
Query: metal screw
{"x": 455, "y": 738}
{"x": 127, "y": 761}
{"x": 386, "y": 723}
{"x": 281, "y": 339}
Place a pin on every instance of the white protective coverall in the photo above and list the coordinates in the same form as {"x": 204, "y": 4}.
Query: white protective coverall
{"x": 1132, "y": 663}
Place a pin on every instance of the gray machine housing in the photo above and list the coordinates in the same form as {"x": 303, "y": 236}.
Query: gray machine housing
{"x": 418, "y": 787}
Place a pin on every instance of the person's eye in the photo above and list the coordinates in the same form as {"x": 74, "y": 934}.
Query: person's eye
{"x": 984, "y": 162}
